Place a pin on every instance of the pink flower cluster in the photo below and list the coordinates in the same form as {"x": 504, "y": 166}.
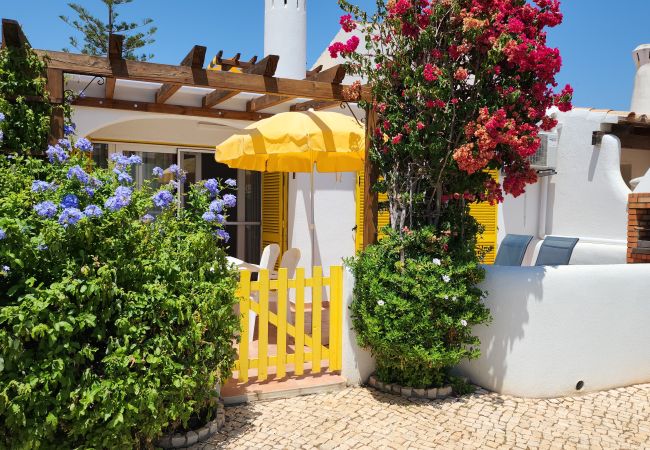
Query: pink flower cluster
{"x": 344, "y": 49}
{"x": 347, "y": 23}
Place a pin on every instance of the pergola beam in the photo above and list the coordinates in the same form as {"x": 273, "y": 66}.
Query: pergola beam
{"x": 194, "y": 59}
{"x": 266, "y": 67}
{"x": 316, "y": 105}
{"x": 160, "y": 108}
{"x": 163, "y": 73}
{"x": 266, "y": 101}
{"x": 12, "y": 34}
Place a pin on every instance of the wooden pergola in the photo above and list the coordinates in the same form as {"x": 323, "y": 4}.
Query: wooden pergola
{"x": 225, "y": 78}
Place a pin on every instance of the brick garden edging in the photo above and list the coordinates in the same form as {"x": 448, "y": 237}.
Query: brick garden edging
{"x": 392, "y": 388}
{"x": 182, "y": 440}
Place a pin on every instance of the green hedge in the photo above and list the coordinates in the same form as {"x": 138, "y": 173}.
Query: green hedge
{"x": 113, "y": 328}
{"x": 415, "y": 300}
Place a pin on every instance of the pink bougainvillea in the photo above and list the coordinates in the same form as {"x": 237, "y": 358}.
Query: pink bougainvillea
{"x": 473, "y": 79}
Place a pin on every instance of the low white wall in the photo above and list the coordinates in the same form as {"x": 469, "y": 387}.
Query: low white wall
{"x": 358, "y": 364}
{"x": 555, "y": 326}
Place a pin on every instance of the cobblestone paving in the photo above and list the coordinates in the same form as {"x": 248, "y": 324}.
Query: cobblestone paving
{"x": 360, "y": 418}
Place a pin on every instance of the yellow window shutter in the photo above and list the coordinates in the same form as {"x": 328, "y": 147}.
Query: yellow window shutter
{"x": 360, "y": 210}
{"x": 274, "y": 209}
{"x": 383, "y": 218}
{"x": 486, "y": 215}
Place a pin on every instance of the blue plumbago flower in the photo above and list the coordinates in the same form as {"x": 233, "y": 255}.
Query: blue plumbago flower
{"x": 120, "y": 199}
{"x": 56, "y": 154}
{"x": 42, "y": 186}
{"x": 6, "y": 269}
{"x": 163, "y": 198}
{"x": 230, "y": 182}
{"x": 3, "y": 234}
{"x": 148, "y": 218}
{"x": 70, "y": 201}
{"x": 78, "y": 173}
{"x": 135, "y": 159}
{"x": 93, "y": 211}
{"x": 89, "y": 191}
{"x": 65, "y": 143}
{"x": 223, "y": 234}
{"x": 216, "y": 206}
{"x": 70, "y": 216}
{"x": 41, "y": 247}
{"x": 209, "y": 216}
{"x": 119, "y": 158}
{"x": 95, "y": 182}
{"x": 84, "y": 145}
{"x": 69, "y": 129}
{"x": 229, "y": 200}
{"x": 178, "y": 172}
{"x": 212, "y": 186}
{"x": 2, "y": 117}
{"x": 46, "y": 209}
{"x": 221, "y": 218}
{"x": 124, "y": 177}
{"x": 174, "y": 184}
{"x": 158, "y": 172}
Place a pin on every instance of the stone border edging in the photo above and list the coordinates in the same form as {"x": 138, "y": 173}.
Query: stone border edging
{"x": 391, "y": 388}
{"x": 182, "y": 440}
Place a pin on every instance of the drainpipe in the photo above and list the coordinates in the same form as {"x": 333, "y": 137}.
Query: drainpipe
{"x": 543, "y": 206}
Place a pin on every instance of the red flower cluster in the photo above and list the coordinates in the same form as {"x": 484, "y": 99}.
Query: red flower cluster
{"x": 347, "y": 23}
{"x": 494, "y": 134}
{"x": 431, "y": 72}
{"x": 344, "y": 49}
{"x": 502, "y": 46}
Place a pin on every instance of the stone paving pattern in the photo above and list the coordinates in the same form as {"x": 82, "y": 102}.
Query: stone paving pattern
{"x": 364, "y": 418}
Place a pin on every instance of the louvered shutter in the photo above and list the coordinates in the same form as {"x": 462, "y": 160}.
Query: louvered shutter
{"x": 486, "y": 215}
{"x": 383, "y": 218}
{"x": 274, "y": 209}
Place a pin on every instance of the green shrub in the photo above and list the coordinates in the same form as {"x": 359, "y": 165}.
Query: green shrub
{"x": 117, "y": 322}
{"x": 415, "y": 300}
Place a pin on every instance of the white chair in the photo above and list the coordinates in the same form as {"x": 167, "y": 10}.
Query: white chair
{"x": 289, "y": 261}
{"x": 269, "y": 257}
{"x": 267, "y": 262}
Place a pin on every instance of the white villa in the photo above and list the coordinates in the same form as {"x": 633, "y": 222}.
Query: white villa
{"x": 556, "y": 330}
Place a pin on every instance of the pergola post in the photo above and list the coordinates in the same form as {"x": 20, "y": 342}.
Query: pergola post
{"x": 370, "y": 173}
{"x": 57, "y": 120}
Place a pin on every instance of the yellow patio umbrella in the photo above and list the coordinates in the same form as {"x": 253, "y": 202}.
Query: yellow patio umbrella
{"x": 296, "y": 142}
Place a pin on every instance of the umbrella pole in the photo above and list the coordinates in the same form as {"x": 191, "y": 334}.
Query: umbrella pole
{"x": 312, "y": 225}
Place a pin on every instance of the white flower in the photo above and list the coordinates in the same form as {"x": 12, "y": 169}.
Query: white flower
{"x": 463, "y": 322}
{"x": 455, "y": 299}
{"x": 212, "y": 269}
{"x": 436, "y": 261}
{"x": 446, "y": 297}
{"x": 446, "y": 278}
{"x": 381, "y": 302}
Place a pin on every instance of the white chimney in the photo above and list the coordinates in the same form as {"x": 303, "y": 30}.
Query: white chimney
{"x": 641, "y": 94}
{"x": 285, "y": 35}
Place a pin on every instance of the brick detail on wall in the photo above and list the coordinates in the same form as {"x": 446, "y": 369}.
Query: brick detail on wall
{"x": 638, "y": 229}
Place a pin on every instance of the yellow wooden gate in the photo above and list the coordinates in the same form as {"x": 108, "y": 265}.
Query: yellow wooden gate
{"x": 273, "y": 301}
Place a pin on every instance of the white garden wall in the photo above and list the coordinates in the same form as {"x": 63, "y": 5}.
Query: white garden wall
{"x": 556, "y": 326}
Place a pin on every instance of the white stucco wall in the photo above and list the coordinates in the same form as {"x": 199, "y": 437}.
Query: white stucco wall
{"x": 555, "y": 326}
{"x": 358, "y": 364}
{"x": 334, "y": 218}
{"x": 587, "y": 198}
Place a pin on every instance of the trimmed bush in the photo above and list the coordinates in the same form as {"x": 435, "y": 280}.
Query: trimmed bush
{"x": 415, "y": 300}
{"x": 116, "y": 306}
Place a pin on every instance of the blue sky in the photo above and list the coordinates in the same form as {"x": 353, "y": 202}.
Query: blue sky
{"x": 596, "y": 38}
